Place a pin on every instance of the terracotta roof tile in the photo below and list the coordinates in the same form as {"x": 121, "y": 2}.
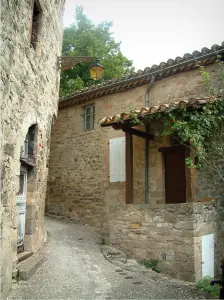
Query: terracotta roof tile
{"x": 172, "y": 66}
{"x": 195, "y": 102}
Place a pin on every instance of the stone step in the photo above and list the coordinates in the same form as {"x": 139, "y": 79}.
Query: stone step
{"x": 29, "y": 266}
{"x": 24, "y": 255}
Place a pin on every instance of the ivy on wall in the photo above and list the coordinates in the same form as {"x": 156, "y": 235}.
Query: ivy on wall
{"x": 200, "y": 128}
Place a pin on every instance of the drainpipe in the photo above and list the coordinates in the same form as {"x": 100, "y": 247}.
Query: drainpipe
{"x": 152, "y": 79}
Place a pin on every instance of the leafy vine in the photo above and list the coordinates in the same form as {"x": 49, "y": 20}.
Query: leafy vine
{"x": 200, "y": 128}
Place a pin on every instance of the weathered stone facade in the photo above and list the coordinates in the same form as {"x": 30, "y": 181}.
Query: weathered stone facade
{"x": 29, "y": 80}
{"x": 79, "y": 186}
{"x": 170, "y": 233}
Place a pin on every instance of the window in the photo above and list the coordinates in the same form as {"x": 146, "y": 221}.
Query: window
{"x": 117, "y": 159}
{"x": 30, "y": 138}
{"x": 89, "y": 117}
{"x": 36, "y": 26}
{"x": 24, "y": 149}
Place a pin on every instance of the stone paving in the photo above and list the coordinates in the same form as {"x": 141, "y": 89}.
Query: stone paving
{"x": 75, "y": 268}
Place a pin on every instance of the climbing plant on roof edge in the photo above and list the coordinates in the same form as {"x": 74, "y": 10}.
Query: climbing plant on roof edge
{"x": 200, "y": 128}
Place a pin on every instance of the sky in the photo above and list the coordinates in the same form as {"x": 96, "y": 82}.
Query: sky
{"x": 152, "y": 31}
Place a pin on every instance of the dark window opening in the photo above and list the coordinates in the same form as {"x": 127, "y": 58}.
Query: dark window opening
{"x": 21, "y": 184}
{"x": 36, "y": 22}
{"x": 27, "y": 155}
{"x": 89, "y": 117}
{"x": 30, "y": 138}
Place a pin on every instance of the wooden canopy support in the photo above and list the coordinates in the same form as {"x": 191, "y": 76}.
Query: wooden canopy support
{"x": 129, "y": 167}
{"x": 128, "y": 129}
{"x": 139, "y": 133}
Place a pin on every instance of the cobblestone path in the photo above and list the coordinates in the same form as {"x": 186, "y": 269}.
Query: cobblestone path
{"x": 76, "y": 269}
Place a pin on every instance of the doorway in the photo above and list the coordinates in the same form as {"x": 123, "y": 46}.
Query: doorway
{"x": 21, "y": 205}
{"x": 175, "y": 174}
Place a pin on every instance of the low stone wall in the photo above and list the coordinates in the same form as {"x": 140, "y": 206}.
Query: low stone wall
{"x": 170, "y": 233}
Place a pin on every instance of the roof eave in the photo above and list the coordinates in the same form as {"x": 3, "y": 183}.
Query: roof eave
{"x": 132, "y": 81}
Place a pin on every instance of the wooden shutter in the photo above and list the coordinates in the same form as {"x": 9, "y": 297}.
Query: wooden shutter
{"x": 117, "y": 159}
{"x": 122, "y": 159}
{"x": 208, "y": 255}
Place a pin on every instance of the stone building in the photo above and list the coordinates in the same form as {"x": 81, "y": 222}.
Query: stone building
{"x": 30, "y": 43}
{"x": 115, "y": 179}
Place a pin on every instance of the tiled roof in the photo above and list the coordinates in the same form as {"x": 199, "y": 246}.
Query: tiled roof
{"x": 172, "y": 66}
{"x": 193, "y": 102}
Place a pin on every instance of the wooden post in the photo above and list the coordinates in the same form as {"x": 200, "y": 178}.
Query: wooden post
{"x": 129, "y": 168}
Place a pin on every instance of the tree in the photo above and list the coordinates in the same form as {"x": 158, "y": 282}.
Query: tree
{"x": 83, "y": 38}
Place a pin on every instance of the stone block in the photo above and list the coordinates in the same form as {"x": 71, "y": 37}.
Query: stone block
{"x": 185, "y": 249}
{"x": 140, "y": 253}
{"x": 167, "y": 225}
{"x": 188, "y": 276}
{"x": 188, "y": 233}
{"x": 170, "y": 218}
{"x": 30, "y": 211}
{"x": 9, "y": 149}
{"x": 205, "y": 228}
{"x": 28, "y": 267}
{"x": 30, "y": 227}
{"x": 143, "y": 237}
{"x": 188, "y": 240}
{"x": 30, "y": 243}
{"x": 135, "y": 225}
{"x": 174, "y": 238}
{"x": 180, "y": 257}
{"x": 183, "y": 225}
{"x": 158, "y": 219}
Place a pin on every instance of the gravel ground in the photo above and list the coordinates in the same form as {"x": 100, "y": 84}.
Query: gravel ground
{"x": 76, "y": 269}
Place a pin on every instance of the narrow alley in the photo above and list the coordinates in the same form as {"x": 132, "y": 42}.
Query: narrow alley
{"x": 76, "y": 269}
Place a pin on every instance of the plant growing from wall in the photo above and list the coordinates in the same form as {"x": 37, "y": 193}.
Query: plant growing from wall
{"x": 151, "y": 264}
{"x": 204, "y": 285}
{"x": 200, "y": 128}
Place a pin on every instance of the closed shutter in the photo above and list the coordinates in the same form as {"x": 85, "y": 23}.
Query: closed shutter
{"x": 117, "y": 159}
{"x": 208, "y": 255}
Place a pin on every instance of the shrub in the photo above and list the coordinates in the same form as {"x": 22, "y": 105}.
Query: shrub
{"x": 204, "y": 285}
{"x": 151, "y": 264}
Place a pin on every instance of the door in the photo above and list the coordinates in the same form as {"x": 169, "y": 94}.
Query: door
{"x": 175, "y": 177}
{"x": 208, "y": 255}
{"x": 21, "y": 205}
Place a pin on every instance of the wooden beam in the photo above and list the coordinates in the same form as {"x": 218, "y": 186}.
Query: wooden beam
{"x": 139, "y": 133}
{"x": 129, "y": 168}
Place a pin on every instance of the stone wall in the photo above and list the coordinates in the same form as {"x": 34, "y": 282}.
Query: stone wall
{"x": 170, "y": 233}
{"x": 78, "y": 185}
{"x": 29, "y": 82}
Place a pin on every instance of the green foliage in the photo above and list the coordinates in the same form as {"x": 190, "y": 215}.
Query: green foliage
{"x": 204, "y": 285}
{"x": 200, "y": 128}
{"x": 151, "y": 264}
{"x": 134, "y": 116}
{"x": 83, "y": 38}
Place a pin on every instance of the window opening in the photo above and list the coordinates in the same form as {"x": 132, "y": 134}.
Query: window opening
{"x": 36, "y": 22}
{"x": 89, "y": 117}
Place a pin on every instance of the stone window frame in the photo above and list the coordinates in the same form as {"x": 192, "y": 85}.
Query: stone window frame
{"x": 36, "y": 32}
{"x": 91, "y": 115}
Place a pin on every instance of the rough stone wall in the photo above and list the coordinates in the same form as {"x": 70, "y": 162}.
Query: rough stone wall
{"x": 73, "y": 189}
{"x": 156, "y": 170}
{"x": 170, "y": 233}
{"x": 210, "y": 185}
{"x": 29, "y": 82}
{"x": 78, "y": 175}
